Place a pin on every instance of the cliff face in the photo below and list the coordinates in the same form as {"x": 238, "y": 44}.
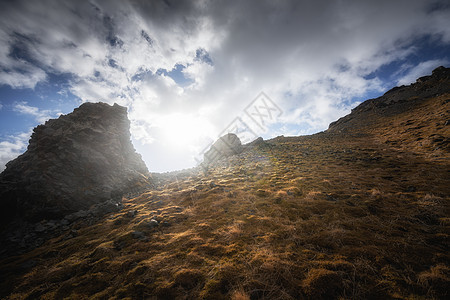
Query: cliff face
{"x": 73, "y": 162}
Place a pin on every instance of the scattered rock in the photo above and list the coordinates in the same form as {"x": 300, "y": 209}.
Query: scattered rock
{"x": 131, "y": 213}
{"x": 139, "y": 235}
{"x": 153, "y": 223}
{"x": 105, "y": 208}
{"x": 40, "y": 228}
{"x": 147, "y": 225}
{"x": 80, "y": 214}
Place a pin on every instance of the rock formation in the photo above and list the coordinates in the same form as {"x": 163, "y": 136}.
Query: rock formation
{"x": 257, "y": 142}
{"x": 225, "y": 146}
{"x": 73, "y": 162}
{"x": 394, "y": 102}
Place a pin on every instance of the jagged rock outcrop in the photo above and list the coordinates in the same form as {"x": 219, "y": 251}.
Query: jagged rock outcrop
{"x": 394, "y": 102}
{"x": 257, "y": 142}
{"x": 225, "y": 146}
{"x": 79, "y": 160}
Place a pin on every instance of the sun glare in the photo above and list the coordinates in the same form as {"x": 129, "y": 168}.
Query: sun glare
{"x": 184, "y": 131}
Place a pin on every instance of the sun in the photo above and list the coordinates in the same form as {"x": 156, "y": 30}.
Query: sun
{"x": 182, "y": 130}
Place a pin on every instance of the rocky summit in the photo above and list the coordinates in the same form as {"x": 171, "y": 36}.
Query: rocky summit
{"x": 359, "y": 211}
{"x": 394, "y": 102}
{"x": 73, "y": 162}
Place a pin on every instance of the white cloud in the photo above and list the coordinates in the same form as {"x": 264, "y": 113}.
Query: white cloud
{"x": 40, "y": 115}
{"x": 16, "y": 72}
{"x": 414, "y": 72}
{"x": 318, "y": 52}
{"x": 13, "y": 146}
{"x": 199, "y": 72}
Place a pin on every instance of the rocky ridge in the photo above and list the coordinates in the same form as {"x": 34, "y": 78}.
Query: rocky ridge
{"x": 394, "y": 102}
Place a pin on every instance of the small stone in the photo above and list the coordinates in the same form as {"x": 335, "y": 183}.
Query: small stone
{"x": 153, "y": 223}
{"x": 139, "y": 235}
{"x": 70, "y": 218}
{"x": 51, "y": 224}
{"x": 131, "y": 213}
{"x": 40, "y": 228}
{"x": 81, "y": 214}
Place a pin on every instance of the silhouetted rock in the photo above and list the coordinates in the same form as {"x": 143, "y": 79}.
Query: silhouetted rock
{"x": 79, "y": 160}
{"x": 225, "y": 146}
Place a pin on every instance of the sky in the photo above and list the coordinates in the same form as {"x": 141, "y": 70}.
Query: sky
{"x": 191, "y": 71}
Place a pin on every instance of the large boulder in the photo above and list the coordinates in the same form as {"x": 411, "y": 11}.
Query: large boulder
{"x": 225, "y": 146}
{"x": 73, "y": 162}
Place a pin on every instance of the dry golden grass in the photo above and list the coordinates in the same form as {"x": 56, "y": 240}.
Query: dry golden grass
{"x": 327, "y": 216}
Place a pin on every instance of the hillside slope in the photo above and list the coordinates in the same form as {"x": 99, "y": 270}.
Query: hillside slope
{"x": 413, "y": 118}
{"x": 360, "y": 211}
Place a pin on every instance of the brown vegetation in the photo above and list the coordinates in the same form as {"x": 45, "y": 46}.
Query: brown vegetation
{"x": 361, "y": 215}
